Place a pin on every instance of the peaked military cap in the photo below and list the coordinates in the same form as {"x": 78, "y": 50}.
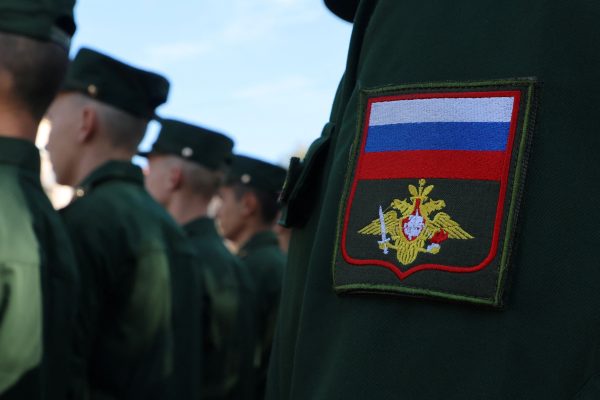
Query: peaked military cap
{"x": 47, "y": 20}
{"x": 113, "y": 82}
{"x": 256, "y": 173}
{"x": 345, "y": 9}
{"x": 200, "y": 145}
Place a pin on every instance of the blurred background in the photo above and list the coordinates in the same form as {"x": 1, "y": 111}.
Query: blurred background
{"x": 261, "y": 71}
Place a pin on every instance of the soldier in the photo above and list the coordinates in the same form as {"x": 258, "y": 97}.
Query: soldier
{"x": 406, "y": 277}
{"x": 246, "y": 216}
{"x": 38, "y": 277}
{"x": 129, "y": 249}
{"x": 186, "y": 167}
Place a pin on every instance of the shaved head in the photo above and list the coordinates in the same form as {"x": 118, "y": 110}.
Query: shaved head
{"x": 123, "y": 130}
{"x": 31, "y": 72}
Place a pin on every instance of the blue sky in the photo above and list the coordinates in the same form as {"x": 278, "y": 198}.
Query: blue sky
{"x": 262, "y": 71}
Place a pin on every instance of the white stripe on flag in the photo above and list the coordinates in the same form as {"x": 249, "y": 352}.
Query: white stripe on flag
{"x": 485, "y": 109}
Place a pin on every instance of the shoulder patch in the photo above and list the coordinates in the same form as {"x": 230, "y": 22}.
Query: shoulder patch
{"x": 433, "y": 190}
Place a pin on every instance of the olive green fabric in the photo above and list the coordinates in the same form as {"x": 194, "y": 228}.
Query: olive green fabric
{"x": 38, "y": 282}
{"x": 20, "y": 285}
{"x": 133, "y": 90}
{"x": 545, "y": 343}
{"x": 265, "y": 262}
{"x": 229, "y": 314}
{"x": 46, "y": 20}
{"x": 187, "y": 317}
{"x": 193, "y": 143}
{"x": 140, "y": 318}
{"x": 257, "y": 174}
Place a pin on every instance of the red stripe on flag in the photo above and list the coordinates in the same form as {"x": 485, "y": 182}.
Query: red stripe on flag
{"x": 481, "y": 165}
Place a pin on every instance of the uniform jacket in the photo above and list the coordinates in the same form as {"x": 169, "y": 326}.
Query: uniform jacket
{"x": 544, "y": 342}
{"x": 229, "y": 314}
{"x": 139, "y": 326}
{"x": 38, "y": 282}
{"x": 265, "y": 262}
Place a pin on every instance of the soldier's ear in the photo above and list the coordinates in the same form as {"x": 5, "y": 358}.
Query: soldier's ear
{"x": 175, "y": 177}
{"x": 88, "y": 124}
{"x": 250, "y": 204}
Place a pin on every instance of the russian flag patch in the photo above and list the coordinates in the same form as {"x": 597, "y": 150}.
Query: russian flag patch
{"x": 431, "y": 199}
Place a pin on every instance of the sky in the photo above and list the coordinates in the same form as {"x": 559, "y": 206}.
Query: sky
{"x": 264, "y": 72}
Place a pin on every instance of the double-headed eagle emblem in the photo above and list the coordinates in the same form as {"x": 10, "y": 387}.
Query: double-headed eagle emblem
{"x": 412, "y": 227}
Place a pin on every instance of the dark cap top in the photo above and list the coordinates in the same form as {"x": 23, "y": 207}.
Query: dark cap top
{"x": 345, "y": 9}
{"x": 256, "y": 173}
{"x": 105, "y": 79}
{"x": 47, "y": 20}
{"x": 205, "y": 147}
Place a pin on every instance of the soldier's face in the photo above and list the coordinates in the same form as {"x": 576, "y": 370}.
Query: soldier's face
{"x": 64, "y": 118}
{"x": 230, "y": 214}
{"x": 157, "y": 178}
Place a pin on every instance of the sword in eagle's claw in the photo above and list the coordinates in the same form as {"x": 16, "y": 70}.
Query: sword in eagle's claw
{"x": 384, "y": 239}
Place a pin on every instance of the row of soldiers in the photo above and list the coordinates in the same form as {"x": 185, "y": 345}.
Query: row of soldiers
{"x": 510, "y": 313}
{"x": 468, "y": 96}
{"x": 129, "y": 292}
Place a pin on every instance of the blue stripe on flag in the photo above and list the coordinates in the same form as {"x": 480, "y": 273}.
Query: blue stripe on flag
{"x": 484, "y": 136}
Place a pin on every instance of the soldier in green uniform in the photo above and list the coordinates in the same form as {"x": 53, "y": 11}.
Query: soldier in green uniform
{"x": 38, "y": 276}
{"x": 186, "y": 167}
{"x": 246, "y": 216}
{"x": 139, "y": 330}
{"x": 423, "y": 265}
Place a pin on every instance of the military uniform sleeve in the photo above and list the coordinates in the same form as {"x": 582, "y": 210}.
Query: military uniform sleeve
{"x": 20, "y": 321}
{"x": 20, "y": 289}
{"x": 126, "y": 275}
{"x": 89, "y": 262}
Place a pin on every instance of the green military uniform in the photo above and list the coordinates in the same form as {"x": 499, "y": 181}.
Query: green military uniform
{"x": 263, "y": 258}
{"x": 265, "y": 261}
{"x": 140, "y": 321}
{"x": 229, "y": 295}
{"x": 523, "y": 323}
{"x": 39, "y": 282}
{"x": 230, "y": 312}
{"x": 38, "y": 277}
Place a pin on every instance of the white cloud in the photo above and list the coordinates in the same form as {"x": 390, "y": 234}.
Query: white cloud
{"x": 247, "y": 23}
{"x": 261, "y": 19}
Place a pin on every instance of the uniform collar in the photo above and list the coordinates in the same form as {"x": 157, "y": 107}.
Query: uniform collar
{"x": 111, "y": 170}
{"x": 261, "y": 239}
{"x": 202, "y": 226}
{"x": 20, "y": 152}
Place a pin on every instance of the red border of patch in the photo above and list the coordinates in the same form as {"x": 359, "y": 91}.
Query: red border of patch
{"x": 506, "y": 160}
